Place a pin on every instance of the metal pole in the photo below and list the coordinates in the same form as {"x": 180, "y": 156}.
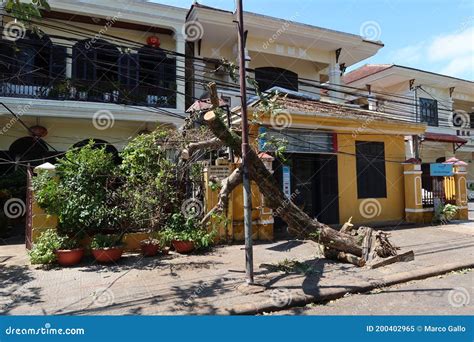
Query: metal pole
{"x": 245, "y": 147}
{"x": 416, "y": 139}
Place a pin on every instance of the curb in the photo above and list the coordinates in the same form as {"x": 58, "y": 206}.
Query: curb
{"x": 362, "y": 286}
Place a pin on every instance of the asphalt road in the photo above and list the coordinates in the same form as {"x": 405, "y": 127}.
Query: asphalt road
{"x": 450, "y": 294}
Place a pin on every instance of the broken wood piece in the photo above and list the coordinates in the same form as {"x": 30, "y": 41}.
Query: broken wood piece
{"x": 404, "y": 257}
{"x": 367, "y": 243}
{"x": 350, "y": 258}
{"x": 348, "y": 226}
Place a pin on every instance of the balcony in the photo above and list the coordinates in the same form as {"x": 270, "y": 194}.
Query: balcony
{"x": 163, "y": 96}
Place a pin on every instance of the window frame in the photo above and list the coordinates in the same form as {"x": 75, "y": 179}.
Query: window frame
{"x": 370, "y": 168}
{"x": 429, "y": 111}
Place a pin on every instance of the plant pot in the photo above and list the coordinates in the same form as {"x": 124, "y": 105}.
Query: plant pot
{"x": 107, "y": 255}
{"x": 183, "y": 246}
{"x": 69, "y": 257}
{"x": 165, "y": 251}
{"x": 149, "y": 249}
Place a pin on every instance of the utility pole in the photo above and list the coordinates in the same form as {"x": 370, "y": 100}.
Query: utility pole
{"x": 245, "y": 147}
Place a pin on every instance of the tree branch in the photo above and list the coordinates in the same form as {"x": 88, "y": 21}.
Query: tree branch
{"x": 228, "y": 185}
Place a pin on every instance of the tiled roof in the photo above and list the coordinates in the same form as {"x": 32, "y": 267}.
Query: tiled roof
{"x": 364, "y": 71}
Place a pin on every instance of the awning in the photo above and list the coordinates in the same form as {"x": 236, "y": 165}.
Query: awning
{"x": 447, "y": 138}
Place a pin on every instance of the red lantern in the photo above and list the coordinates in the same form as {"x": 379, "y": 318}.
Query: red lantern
{"x": 153, "y": 41}
{"x": 38, "y": 131}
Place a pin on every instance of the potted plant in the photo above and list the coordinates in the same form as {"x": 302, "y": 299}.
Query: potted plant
{"x": 69, "y": 252}
{"x": 107, "y": 248}
{"x": 52, "y": 247}
{"x": 186, "y": 235}
{"x": 150, "y": 247}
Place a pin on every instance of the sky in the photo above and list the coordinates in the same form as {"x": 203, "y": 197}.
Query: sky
{"x": 432, "y": 35}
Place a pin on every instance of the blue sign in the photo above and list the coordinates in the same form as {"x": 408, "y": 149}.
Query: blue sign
{"x": 286, "y": 181}
{"x": 441, "y": 170}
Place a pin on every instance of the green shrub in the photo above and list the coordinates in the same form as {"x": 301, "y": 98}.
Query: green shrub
{"x": 100, "y": 241}
{"x": 148, "y": 191}
{"x": 79, "y": 195}
{"x": 49, "y": 241}
{"x": 181, "y": 228}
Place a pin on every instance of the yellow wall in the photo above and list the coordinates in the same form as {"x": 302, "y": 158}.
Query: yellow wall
{"x": 393, "y": 206}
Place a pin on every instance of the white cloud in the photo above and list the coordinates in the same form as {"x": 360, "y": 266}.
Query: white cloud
{"x": 409, "y": 54}
{"x": 452, "y": 45}
{"x": 451, "y": 54}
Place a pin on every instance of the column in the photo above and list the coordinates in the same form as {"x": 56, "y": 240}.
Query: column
{"x": 180, "y": 72}
{"x": 414, "y": 211}
{"x": 334, "y": 82}
{"x": 460, "y": 175}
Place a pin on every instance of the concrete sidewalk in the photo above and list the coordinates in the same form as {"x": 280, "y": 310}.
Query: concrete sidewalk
{"x": 212, "y": 283}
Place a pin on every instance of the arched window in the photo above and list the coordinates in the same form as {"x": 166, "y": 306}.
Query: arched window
{"x": 95, "y": 61}
{"x": 268, "y": 77}
{"x": 32, "y": 60}
{"x": 157, "y": 76}
{"x": 29, "y": 149}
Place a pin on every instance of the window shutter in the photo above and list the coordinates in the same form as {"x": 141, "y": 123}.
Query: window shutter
{"x": 129, "y": 70}
{"x": 57, "y": 67}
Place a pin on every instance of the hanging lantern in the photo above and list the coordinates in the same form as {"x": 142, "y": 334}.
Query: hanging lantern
{"x": 153, "y": 41}
{"x": 38, "y": 131}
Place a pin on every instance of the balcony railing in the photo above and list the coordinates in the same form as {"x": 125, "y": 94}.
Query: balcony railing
{"x": 85, "y": 90}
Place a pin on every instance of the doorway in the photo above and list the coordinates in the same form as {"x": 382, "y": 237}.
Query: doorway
{"x": 314, "y": 187}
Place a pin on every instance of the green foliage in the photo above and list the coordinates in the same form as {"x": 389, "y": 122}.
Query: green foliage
{"x": 49, "y": 241}
{"x": 80, "y": 194}
{"x": 26, "y": 11}
{"x": 100, "y": 241}
{"x": 445, "y": 213}
{"x": 181, "y": 228}
{"x": 149, "y": 181}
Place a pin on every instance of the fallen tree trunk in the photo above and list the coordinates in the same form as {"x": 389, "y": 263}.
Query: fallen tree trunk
{"x": 345, "y": 245}
{"x": 297, "y": 220}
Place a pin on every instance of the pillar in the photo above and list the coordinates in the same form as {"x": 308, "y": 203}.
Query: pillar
{"x": 460, "y": 175}
{"x": 414, "y": 211}
{"x": 334, "y": 82}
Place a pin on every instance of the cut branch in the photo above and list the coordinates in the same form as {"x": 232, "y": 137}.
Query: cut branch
{"x": 227, "y": 186}
{"x": 189, "y": 150}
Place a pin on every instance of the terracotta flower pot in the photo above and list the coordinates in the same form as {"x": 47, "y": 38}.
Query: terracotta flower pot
{"x": 69, "y": 257}
{"x": 149, "y": 249}
{"x": 183, "y": 246}
{"x": 165, "y": 250}
{"x": 107, "y": 255}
